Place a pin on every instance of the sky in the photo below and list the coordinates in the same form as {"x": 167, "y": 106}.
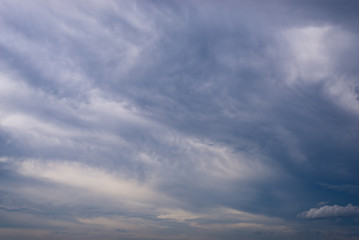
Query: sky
{"x": 185, "y": 120}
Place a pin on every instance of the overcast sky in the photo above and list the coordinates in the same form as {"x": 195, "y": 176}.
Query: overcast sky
{"x": 187, "y": 120}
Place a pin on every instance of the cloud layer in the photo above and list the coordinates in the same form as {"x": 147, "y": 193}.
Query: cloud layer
{"x": 178, "y": 120}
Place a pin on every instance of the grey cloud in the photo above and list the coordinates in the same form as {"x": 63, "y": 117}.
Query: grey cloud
{"x": 233, "y": 104}
{"x": 330, "y": 212}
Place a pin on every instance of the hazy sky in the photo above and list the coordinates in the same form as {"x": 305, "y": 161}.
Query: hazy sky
{"x": 187, "y": 120}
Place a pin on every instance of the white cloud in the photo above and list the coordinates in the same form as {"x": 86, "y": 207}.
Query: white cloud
{"x": 121, "y": 222}
{"x": 91, "y": 179}
{"x": 178, "y": 214}
{"x": 223, "y": 162}
{"x": 309, "y": 58}
{"x": 212, "y": 220}
{"x": 313, "y": 55}
{"x": 330, "y": 212}
{"x": 342, "y": 92}
{"x": 312, "y": 52}
{"x": 225, "y": 219}
{"x": 66, "y": 26}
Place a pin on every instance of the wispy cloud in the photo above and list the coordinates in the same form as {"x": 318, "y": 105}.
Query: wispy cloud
{"x": 187, "y": 120}
{"x": 87, "y": 178}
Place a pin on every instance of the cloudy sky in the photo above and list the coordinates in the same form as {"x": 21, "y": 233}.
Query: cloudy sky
{"x": 185, "y": 120}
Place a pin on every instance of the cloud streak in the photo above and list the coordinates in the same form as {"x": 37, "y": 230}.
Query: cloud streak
{"x": 187, "y": 120}
{"x": 87, "y": 178}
